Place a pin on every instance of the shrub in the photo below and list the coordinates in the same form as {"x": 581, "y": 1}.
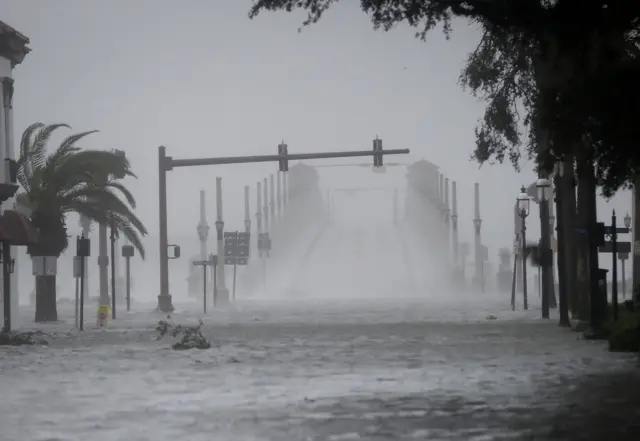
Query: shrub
{"x": 22, "y": 338}
{"x": 624, "y": 334}
{"x": 189, "y": 337}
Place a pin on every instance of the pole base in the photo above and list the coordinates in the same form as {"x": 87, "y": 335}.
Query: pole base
{"x": 222, "y": 297}
{"x": 164, "y": 303}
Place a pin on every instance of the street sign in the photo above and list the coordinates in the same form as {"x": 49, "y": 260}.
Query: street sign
{"x": 622, "y": 247}
{"x": 264, "y": 242}
{"x": 619, "y": 230}
{"x": 236, "y": 248}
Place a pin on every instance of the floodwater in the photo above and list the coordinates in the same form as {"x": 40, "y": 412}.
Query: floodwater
{"x": 409, "y": 365}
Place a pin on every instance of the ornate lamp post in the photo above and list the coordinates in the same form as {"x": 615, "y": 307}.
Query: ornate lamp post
{"x": 543, "y": 187}
{"x": 523, "y": 211}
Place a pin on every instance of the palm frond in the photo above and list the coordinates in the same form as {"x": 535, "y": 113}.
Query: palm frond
{"x": 123, "y": 219}
{"x": 131, "y": 200}
{"x": 66, "y": 148}
{"x": 33, "y": 150}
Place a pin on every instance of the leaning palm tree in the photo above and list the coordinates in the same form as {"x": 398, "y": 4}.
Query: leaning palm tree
{"x": 68, "y": 180}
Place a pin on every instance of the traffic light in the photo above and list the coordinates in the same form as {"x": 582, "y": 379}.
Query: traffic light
{"x": 377, "y": 152}
{"x": 284, "y": 163}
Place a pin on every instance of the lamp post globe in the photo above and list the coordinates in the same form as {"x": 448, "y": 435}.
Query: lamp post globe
{"x": 203, "y": 232}
{"x": 544, "y": 189}
{"x": 627, "y": 220}
{"x": 219, "y": 228}
{"x": 523, "y": 202}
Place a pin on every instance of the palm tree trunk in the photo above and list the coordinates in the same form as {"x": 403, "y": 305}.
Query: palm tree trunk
{"x": 46, "y": 304}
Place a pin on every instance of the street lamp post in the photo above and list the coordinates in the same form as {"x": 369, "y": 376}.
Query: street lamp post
{"x": 563, "y": 294}
{"x": 523, "y": 211}
{"x": 544, "y": 189}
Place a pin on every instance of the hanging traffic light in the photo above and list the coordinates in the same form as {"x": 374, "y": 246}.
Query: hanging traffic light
{"x": 284, "y": 163}
{"x": 377, "y": 152}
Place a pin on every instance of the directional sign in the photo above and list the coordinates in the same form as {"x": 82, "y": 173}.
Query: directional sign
{"x": 622, "y": 247}
{"x": 264, "y": 242}
{"x": 619, "y": 230}
{"x": 236, "y": 248}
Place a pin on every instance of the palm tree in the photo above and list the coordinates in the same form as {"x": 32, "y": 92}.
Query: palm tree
{"x": 65, "y": 181}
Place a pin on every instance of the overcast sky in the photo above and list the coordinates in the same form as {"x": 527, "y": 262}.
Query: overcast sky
{"x": 201, "y": 78}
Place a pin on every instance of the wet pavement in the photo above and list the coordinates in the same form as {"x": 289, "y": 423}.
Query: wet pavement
{"x": 347, "y": 354}
{"x": 309, "y": 371}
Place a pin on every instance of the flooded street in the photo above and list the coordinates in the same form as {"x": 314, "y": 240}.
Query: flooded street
{"x": 312, "y": 370}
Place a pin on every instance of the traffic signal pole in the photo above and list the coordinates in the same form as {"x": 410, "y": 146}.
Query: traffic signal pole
{"x": 168, "y": 163}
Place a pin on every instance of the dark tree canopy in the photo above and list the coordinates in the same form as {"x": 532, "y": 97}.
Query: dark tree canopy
{"x": 564, "y": 69}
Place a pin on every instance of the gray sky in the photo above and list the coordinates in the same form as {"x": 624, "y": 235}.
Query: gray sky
{"x": 204, "y": 80}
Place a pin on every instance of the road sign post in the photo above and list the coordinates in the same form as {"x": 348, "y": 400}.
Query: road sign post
{"x": 127, "y": 252}
{"x": 614, "y": 247}
{"x": 236, "y": 252}
{"x": 211, "y": 261}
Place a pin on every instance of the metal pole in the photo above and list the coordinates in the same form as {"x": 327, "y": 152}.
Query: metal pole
{"x": 513, "y": 283}
{"x": 624, "y": 279}
{"x": 222, "y": 288}
{"x": 563, "y": 277}
{"x": 454, "y": 221}
{"x": 272, "y": 202}
{"x": 6, "y": 285}
{"x": 477, "y": 245}
{"x": 215, "y": 281}
{"x": 447, "y": 218}
{"x": 82, "y": 269}
{"x": 614, "y": 265}
{"x": 635, "y": 248}
{"x": 113, "y": 273}
{"x": 285, "y": 191}
{"x": 545, "y": 250}
{"x": 266, "y": 205}
{"x": 77, "y": 306}
{"x": 258, "y": 216}
{"x": 247, "y": 212}
{"x": 279, "y": 194}
{"x": 164, "y": 298}
{"x": 204, "y": 287}
{"x": 524, "y": 263}
{"x": 395, "y": 205}
{"x": 128, "y": 281}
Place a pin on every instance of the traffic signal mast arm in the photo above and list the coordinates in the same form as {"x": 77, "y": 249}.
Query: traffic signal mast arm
{"x": 170, "y": 163}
